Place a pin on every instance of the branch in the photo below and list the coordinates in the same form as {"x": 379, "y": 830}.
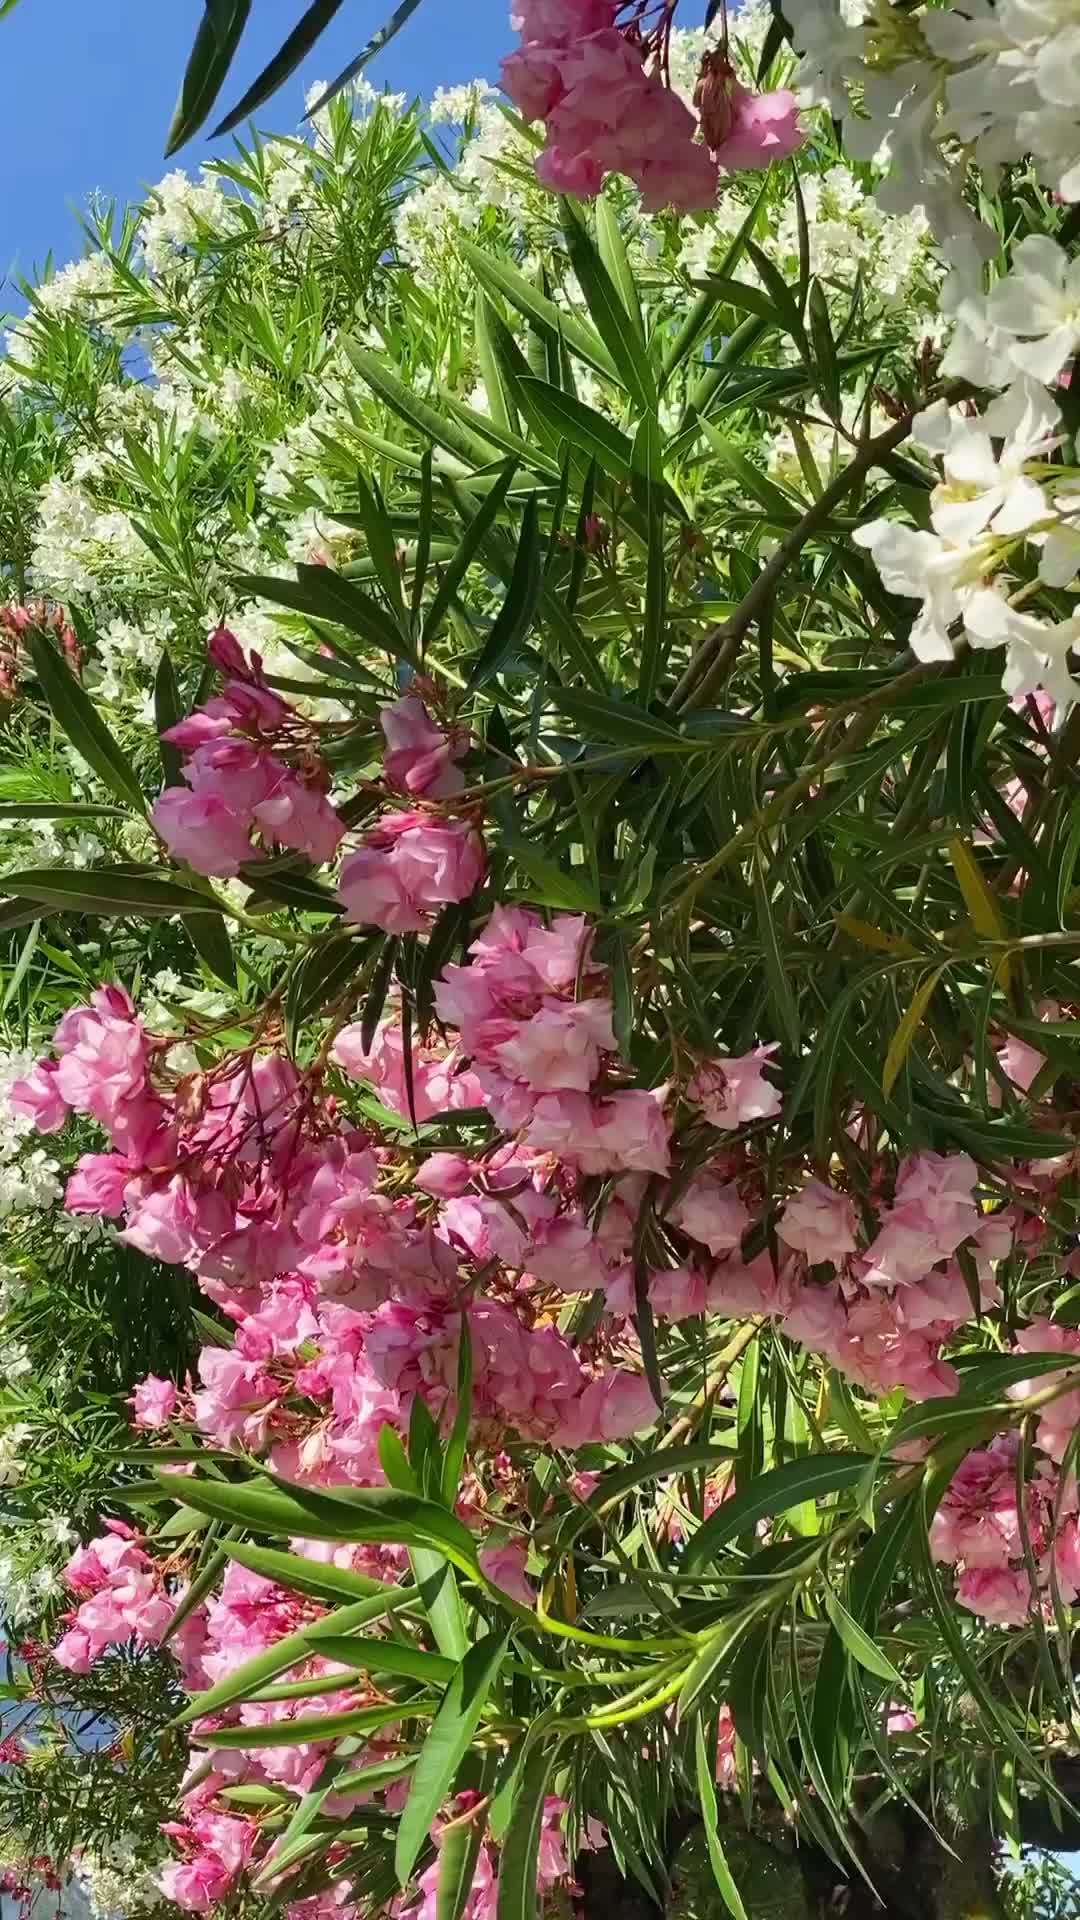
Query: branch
{"x": 718, "y": 648}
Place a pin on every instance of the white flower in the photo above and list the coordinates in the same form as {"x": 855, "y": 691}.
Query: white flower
{"x": 983, "y": 489}
{"x": 922, "y": 566}
{"x": 1038, "y": 301}
{"x": 1037, "y": 648}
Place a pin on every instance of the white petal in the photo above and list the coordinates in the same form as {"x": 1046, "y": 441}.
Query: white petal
{"x": 1044, "y": 358}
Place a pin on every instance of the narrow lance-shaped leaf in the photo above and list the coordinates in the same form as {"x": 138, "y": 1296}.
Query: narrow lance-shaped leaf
{"x": 307, "y": 30}
{"x": 722, "y": 1874}
{"x": 216, "y": 42}
{"x": 78, "y": 718}
{"x": 447, "y": 1743}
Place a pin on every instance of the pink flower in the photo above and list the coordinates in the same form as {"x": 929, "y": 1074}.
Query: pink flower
{"x": 552, "y": 1864}
{"x": 614, "y": 1406}
{"x": 505, "y": 1567}
{"x": 37, "y": 1097}
{"x": 155, "y": 1402}
{"x": 819, "y": 1222}
{"x": 97, "y": 1184}
{"x": 447, "y": 1175}
{"x": 732, "y": 1091}
{"x": 618, "y": 1132}
{"x": 409, "y": 866}
{"x": 558, "y": 1047}
{"x": 199, "y": 828}
{"x": 418, "y": 758}
{"x": 996, "y": 1594}
{"x": 298, "y": 815}
{"x": 764, "y": 127}
{"x": 711, "y": 1212}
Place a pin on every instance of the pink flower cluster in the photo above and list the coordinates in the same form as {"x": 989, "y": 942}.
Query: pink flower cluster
{"x": 601, "y": 93}
{"x": 980, "y": 1527}
{"x": 119, "y": 1593}
{"x": 409, "y": 866}
{"x": 236, "y": 785}
{"x": 215, "y": 1850}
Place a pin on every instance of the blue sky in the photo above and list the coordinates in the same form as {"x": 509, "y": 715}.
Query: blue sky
{"x": 91, "y": 86}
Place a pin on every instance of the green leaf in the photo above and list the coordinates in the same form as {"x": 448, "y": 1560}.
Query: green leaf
{"x": 808, "y": 1478}
{"x": 825, "y": 362}
{"x": 649, "y": 464}
{"x": 617, "y": 720}
{"x": 167, "y": 711}
{"x": 706, "y": 1786}
{"x": 321, "y": 594}
{"x": 454, "y": 1458}
{"x": 784, "y": 1003}
{"x": 285, "y": 62}
{"x": 609, "y": 239}
{"x": 521, "y": 1843}
{"x": 430, "y": 422}
{"x": 386, "y": 33}
{"x": 552, "y": 884}
{"x": 386, "y": 1656}
{"x": 381, "y": 542}
{"x": 900, "y": 1044}
{"x": 459, "y": 1851}
{"x": 105, "y": 890}
{"x": 859, "y": 1644}
{"x": 58, "y": 810}
{"x": 704, "y": 1665}
{"x": 381, "y": 1514}
{"x": 448, "y": 1741}
{"x": 313, "y": 1726}
{"x": 209, "y": 937}
{"x": 253, "y": 1674}
{"x": 472, "y": 540}
{"x": 500, "y": 279}
{"x": 607, "y": 311}
{"x": 586, "y": 429}
{"x": 78, "y": 718}
{"x": 518, "y": 611}
{"x": 320, "y": 1580}
{"x": 319, "y": 978}
{"x": 211, "y": 56}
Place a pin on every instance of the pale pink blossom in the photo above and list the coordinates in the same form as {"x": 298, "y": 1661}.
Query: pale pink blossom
{"x": 505, "y": 1567}
{"x": 997, "y": 1594}
{"x": 819, "y": 1222}
{"x": 419, "y": 759}
{"x": 37, "y": 1097}
{"x": 710, "y": 1211}
{"x": 764, "y": 127}
{"x": 200, "y": 829}
{"x": 610, "y": 1133}
{"x": 409, "y": 866}
{"x": 732, "y": 1091}
{"x": 154, "y": 1402}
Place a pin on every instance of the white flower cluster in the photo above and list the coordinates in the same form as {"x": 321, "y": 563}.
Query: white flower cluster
{"x": 998, "y": 494}
{"x": 178, "y": 209}
{"x": 118, "y": 1879}
{"x": 926, "y": 91}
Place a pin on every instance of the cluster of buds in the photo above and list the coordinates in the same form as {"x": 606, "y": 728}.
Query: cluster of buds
{"x": 14, "y": 621}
